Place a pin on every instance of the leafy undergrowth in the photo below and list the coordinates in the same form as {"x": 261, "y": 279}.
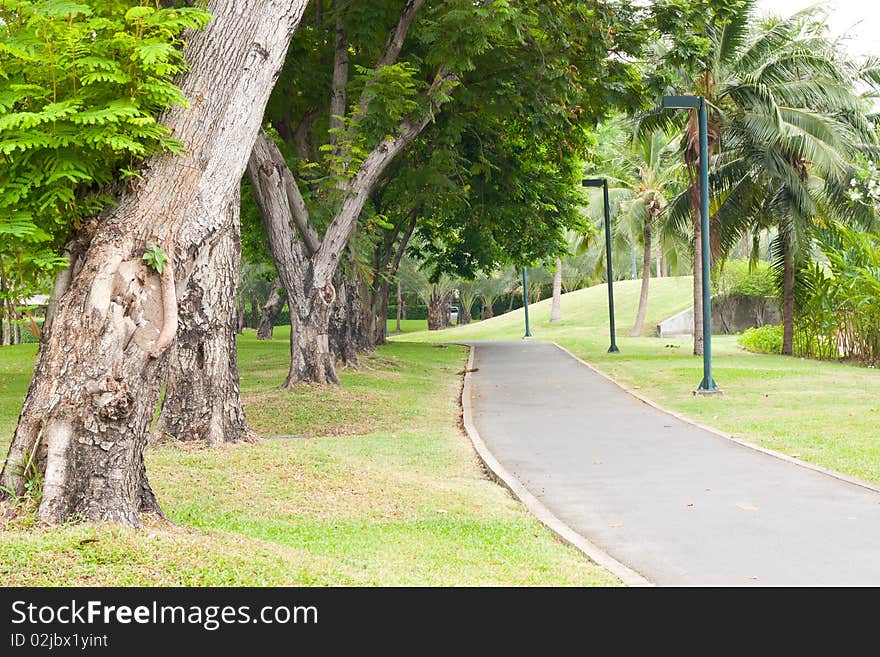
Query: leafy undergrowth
{"x": 374, "y": 485}
{"x": 822, "y": 412}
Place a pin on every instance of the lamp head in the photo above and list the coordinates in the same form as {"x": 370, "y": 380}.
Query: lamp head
{"x": 593, "y": 182}
{"x": 681, "y": 102}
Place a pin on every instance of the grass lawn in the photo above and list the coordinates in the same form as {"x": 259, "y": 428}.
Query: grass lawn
{"x": 823, "y": 412}
{"x": 407, "y": 326}
{"x": 379, "y": 487}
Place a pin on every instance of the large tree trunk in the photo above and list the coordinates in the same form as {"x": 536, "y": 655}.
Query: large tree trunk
{"x": 556, "y": 308}
{"x": 271, "y": 309}
{"x": 5, "y": 324}
{"x": 305, "y": 263}
{"x": 241, "y": 316}
{"x": 345, "y": 332}
{"x": 646, "y": 281}
{"x": 400, "y": 309}
{"x": 787, "y": 297}
{"x": 83, "y": 427}
{"x": 438, "y": 309}
{"x": 202, "y": 398}
{"x": 255, "y": 314}
{"x": 464, "y": 312}
{"x": 488, "y": 311}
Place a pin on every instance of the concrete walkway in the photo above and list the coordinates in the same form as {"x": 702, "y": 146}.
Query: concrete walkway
{"x": 676, "y": 503}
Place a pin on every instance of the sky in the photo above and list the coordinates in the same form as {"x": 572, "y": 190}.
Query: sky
{"x": 859, "y": 20}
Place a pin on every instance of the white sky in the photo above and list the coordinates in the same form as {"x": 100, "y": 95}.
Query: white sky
{"x": 858, "y": 20}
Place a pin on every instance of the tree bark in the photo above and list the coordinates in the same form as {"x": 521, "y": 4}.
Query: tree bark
{"x": 438, "y": 309}
{"x": 646, "y": 280}
{"x": 271, "y": 309}
{"x": 399, "y": 305}
{"x": 556, "y": 308}
{"x": 5, "y": 326}
{"x": 340, "y": 76}
{"x": 83, "y": 427}
{"x": 241, "y": 316}
{"x": 202, "y": 398}
{"x": 255, "y": 314}
{"x": 346, "y": 318}
{"x": 488, "y": 312}
{"x": 787, "y": 297}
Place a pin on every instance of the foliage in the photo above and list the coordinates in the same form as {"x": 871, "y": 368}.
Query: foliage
{"x": 838, "y": 309}
{"x": 762, "y": 339}
{"x": 81, "y": 86}
{"x": 155, "y": 258}
{"x": 745, "y": 278}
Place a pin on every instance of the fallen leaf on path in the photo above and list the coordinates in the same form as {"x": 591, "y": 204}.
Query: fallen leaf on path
{"x": 745, "y": 506}
{"x": 597, "y": 462}
{"x": 615, "y": 525}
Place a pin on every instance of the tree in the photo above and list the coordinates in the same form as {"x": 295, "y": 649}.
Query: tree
{"x": 698, "y": 42}
{"x": 393, "y": 107}
{"x": 649, "y": 170}
{"x": 84, "y": 434}
{"x": 467, "y": 295}
{"x": 792, "y": 125}
{"x": 491, "y": 288}
{"x": 556, "y": 308}
{"x": 517, "y": 68}
{"x": 271, "y": 309}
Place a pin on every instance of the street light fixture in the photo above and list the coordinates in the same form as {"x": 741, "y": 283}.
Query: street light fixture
{"x": 526, "y": 301}
{"x": 603, "y": 183}
{"x": 707, "y": 385}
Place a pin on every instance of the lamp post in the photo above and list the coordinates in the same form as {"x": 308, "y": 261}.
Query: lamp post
{"x": 526, "y": 301}
{"x": 707, "y": 385}
{"x": 603, "y": 183}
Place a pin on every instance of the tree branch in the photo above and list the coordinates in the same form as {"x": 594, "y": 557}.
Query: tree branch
{"x": 340, "y": 77}
{"x": 300, "y": 135}
{"x": 361, "y": 185}
{"x": 392, "y": 50}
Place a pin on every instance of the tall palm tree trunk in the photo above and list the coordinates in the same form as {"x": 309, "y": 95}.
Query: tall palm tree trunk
{"x": 556, "y": 309}
{"x": 787, "y": 297}
{"x": 646, "y": 280}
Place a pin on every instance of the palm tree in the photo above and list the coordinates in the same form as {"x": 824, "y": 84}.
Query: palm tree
{"x": 793, "y": 126}
{"x": 650, "y": 173}
{"x": 490, "y": 289}
{"x": 784, "y": 121}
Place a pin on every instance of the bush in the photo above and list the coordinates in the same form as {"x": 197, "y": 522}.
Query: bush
{"x": 762, "y": 340}
{"x": 739, "y": 277}
{"x": 838, "y": 306}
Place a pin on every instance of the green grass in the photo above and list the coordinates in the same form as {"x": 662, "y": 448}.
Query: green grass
{"x": 379, "y": 488}
{"x": 407, "y": 326}
{"x": 823, "y": 412}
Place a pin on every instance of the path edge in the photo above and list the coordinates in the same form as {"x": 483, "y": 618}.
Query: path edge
{"x": 726, "y": 436}
{"x": 500, "y": 474}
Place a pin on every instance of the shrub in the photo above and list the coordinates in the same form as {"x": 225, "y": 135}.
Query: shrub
{"x": 762, "y": 340}
{"x": 838, "y": 306}
{"x": 741, "y": 277}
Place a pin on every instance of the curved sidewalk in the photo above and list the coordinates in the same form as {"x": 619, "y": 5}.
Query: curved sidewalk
{"x": 674, "y": 502}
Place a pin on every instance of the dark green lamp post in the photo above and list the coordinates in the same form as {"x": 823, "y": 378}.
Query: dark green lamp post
{"x": 526, "y": 301}
{"x": 707, "y": 385}
{"x": 603, "y": 183}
